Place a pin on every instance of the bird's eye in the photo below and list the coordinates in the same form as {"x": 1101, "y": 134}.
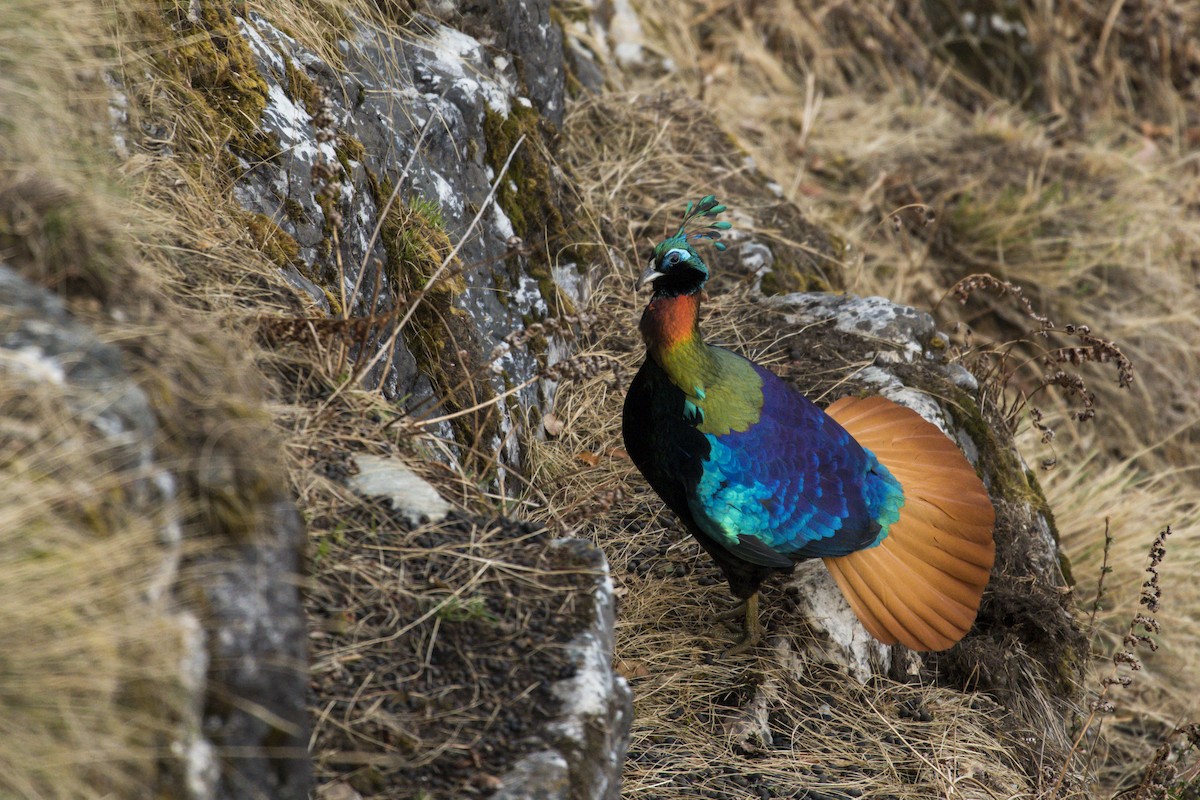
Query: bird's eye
{"x": 673, "y": 258}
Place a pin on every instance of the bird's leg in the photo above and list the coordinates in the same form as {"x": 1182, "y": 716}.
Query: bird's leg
{"x": 753, "y": 628}
{"x": 737, "y": 612}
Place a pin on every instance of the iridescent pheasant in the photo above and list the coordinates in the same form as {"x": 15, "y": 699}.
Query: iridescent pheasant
{"x": 764, "y": 478}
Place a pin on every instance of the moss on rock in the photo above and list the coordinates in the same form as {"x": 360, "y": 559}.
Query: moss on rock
{"x": 529, "y": 194}
{"x": 273, "y": 241}
{"x": 301, "y": 88}
{"x": 348, "y": 150}
{"x": 209, "y": 68}
{"x": 438, "y": 334}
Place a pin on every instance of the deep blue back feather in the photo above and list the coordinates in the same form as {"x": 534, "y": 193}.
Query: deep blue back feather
{"x": 795, "y": 481}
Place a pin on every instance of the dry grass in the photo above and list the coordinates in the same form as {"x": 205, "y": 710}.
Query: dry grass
{"x": 90, "y": 680}
{"x": 102, "y": 684}
{"x": 91, "y": 687}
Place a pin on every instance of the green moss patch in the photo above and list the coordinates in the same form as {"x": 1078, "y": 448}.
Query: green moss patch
{"x": 529, "y": 194}
{"x": 209, "y": 69}
{"x": 439, "y": 334}
{"x": 273, "y": 241}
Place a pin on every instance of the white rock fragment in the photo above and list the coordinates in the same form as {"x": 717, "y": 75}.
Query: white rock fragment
{"x": 846, "y": 642}
{"x": 411, "y": 495}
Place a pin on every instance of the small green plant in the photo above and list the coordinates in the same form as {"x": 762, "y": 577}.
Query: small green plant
{"x": 473, "y": 609}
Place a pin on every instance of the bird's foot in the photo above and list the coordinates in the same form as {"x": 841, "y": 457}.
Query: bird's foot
{"x": 737, "y": 612}
{"x": 752, "y": 628}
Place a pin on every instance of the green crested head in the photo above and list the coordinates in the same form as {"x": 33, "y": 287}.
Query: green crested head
{"x": 676, "y": 267}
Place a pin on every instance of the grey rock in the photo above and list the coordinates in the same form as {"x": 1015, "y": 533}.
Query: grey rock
{"x": 961, "y": 378}
{"x": 541, "y": 776}
{"x": 841, "y": 639}
{"x": 258, "y": 651}
{"x": 314, "y": 293}
{"x": 417, "y": 109}
{"x": 410, "y": 494}
{"x": 593, "y": 733}
{"x": 909, "y": 331}
{"x": 383, "y": 99}
{"x": 583, "y": 65}
{"x": 46, "y": 344}
{"x": 524, "y": 29}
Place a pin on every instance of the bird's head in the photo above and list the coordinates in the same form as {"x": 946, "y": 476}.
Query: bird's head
{"x": 676, "y": 267}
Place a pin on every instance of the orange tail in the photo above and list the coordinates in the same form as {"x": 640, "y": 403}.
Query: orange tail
{"x": 921, "y": 586}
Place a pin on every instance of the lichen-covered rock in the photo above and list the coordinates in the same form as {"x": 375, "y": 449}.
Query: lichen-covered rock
{"x": 237, "y": 610}
{"x": 524, "y": 29}
{"x": 249, "y": 595}
{"x": 597, "y": 706}
{"x": 541, "y": 776}
{"x": 383, "y": 167}
{"x": 590, "y": 734}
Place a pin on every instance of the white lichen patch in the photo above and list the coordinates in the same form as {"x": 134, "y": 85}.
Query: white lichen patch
{"x": 877, "y": 317}
{"x": 573, "y": 283}
{"x": 588, "y": 693}
{"x": 528, "y": 297}
{"x": 292, "y": 125}
{"x": 501, "y": 222}
{"x": 262, "y": 50}
{"x": 289, "y": 122}
{"x": 890, "y": 387}
{"x": 459, "y": 60}
{"x": 448, "y": 198}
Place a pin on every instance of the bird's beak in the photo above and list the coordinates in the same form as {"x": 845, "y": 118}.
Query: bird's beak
{"x": 649, "y": 276}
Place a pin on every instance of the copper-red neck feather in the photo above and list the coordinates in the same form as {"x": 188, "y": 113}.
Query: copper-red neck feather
{"x": 671, "y": 321}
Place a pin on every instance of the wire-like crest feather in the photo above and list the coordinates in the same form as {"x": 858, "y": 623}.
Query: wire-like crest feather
{"x": 706, "y": 207}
